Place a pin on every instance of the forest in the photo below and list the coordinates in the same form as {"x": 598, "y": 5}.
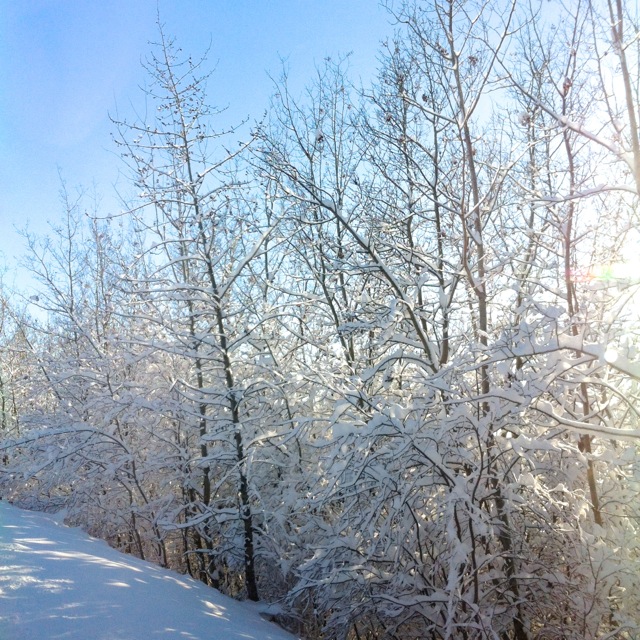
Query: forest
{"x": 372, "y": 356}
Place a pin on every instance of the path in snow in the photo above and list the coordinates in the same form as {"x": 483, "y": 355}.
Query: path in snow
{"x": 58, "y": 583}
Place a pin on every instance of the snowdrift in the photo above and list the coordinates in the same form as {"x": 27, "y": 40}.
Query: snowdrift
{"x": 57, "y": 582}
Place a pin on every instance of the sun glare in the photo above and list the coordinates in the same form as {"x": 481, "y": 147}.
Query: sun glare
{"x": 616, "y": 272}
{"x": 621, "y": 282}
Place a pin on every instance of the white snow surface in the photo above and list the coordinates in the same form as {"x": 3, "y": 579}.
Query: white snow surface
{"x": 57, "y": 582}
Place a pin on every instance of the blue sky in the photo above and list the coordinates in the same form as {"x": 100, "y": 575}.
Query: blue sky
{"x": 66, "y": 64}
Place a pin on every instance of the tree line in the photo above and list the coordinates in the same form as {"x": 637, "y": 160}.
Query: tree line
{"x": 378, "y": 361}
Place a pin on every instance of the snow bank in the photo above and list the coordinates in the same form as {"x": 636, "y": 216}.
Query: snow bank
{"x": 57, "y": 582}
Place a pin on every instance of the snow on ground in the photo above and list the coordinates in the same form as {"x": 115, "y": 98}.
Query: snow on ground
{"x": 57, "y": 582}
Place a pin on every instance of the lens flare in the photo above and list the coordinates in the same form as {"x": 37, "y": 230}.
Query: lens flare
{"x": 615, "y": 271}
{"x": 611, "y": 273}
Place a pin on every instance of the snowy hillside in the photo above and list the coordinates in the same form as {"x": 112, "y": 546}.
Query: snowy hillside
{"x": 57, "y": 582}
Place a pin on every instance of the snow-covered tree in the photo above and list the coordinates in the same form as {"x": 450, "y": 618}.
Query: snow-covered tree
{"x": 380, "y": 358}
{"x": 205, "y": 240}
